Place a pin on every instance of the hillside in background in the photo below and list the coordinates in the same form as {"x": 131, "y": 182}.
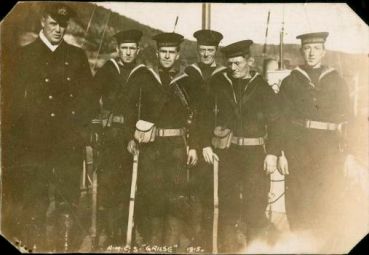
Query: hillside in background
{"x": 94, "y": 27}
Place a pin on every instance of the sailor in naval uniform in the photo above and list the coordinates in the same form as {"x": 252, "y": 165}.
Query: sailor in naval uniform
{"x": 245, "y": 138}
{"x": 116, "y": 163}
{"x": 200, "y": 74}
{"x": 317, "y": 108}
{"x": 164, "y": 114}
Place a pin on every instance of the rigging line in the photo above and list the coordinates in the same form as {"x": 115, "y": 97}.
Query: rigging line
{"x": 307, "y": 16}
{"x": 175, "y": 24}
{"x": 101, "y": 41}
{"x": 339, "y": 53}
{"x": 88, "y": 26}
{"x": 266, "y": 35}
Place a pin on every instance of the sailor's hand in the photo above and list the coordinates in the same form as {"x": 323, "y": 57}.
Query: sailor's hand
{"x": 192, "y": 157}
{"x": 94, "y": 139}
{"x": 132, "y": 147}
{"x": 270, "y": 163}
{"x": 207, "y": 153}
{"x": 283, "y": 164}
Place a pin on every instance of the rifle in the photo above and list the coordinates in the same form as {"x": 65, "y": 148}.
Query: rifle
{"x": 132, "y": 200}
{"x": 216, "y": 203}
{"x": 132, "y": 196}
{"x": 94, "y": 195}
{"x": 90, "y": 168}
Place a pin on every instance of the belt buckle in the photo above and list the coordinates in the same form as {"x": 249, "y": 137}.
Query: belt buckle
{"x": 307, "y": 123}
{"x": 341, "y": 128}
{"x": 239, "y": 141}
{"x": 120, "y": 119}
{"x": 160, "y": 133}
{"x": 260, "y": 141}
{"x": 331, "y": 126}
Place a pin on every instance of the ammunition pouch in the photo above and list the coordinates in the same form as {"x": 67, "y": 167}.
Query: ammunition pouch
{"x": 222, "y": 138}
{"x": 145, "y": 131}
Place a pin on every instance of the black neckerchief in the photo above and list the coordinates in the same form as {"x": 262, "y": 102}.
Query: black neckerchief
{"x": 206, "y": 70}
{"x": 314, "y": 73}
{"x": 166, "y": 76}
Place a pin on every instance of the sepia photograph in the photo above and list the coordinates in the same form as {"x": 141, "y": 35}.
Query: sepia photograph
{"x": 184, "y": 128}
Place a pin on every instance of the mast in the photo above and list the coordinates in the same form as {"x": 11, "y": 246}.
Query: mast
{"x": 206, "y": 13}
{"x": 281, "y": 38}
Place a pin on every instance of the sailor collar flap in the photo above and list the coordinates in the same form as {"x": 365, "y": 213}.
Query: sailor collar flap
{"x": 217, "y": 69}
{"x": 115, "y": 63}
{"x": 225, "y": 75}
{"x": 177, "y": 77}
{"x": 135, "y": 69}
{"x": 326, "y": 70}
{"x": 230, "y": 81}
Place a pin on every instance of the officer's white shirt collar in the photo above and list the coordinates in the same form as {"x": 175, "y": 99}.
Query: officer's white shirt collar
{"x": 47, "y": 42}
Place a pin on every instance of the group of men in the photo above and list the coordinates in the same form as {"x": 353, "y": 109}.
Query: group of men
{"x": 180, "y": 124}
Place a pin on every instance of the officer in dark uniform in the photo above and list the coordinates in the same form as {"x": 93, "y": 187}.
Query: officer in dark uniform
{"x": 316, "y": 106}
{"x": 163, "y": 98}
{"x": 54, "y": 78}
{"x": 114, "y": 180}
{"x": 245, "y": 111}
{"x": 202, "y": 176}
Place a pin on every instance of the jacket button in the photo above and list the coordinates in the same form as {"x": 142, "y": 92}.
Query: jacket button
{"x": 52, "y": 114}
{"x": 73, "y": 112}
{"x": 47, "y": 79}
{"x": 70, "y": 95}
{"x": 66, "y": 63}
{"x": 50, "y": 97}
{"x": 68, "y": 78}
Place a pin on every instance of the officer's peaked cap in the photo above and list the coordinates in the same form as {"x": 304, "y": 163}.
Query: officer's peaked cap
{"x": 236, "y": 49}
{"x": 208, "y": 37}
{"x": 59, "y": 12}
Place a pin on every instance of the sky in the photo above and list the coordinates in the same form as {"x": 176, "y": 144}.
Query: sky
{"x": 239, "y": 21}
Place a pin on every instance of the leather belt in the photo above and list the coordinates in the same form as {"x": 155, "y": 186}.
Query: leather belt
{"x": 106, "y": 122}
{"x": 319, "y": 125}
{"x": 166, "y": 132}
{"x": 243, "y": 141}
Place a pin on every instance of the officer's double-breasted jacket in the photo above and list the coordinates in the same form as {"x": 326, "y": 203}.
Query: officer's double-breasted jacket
{"x": 56, "y": 96}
